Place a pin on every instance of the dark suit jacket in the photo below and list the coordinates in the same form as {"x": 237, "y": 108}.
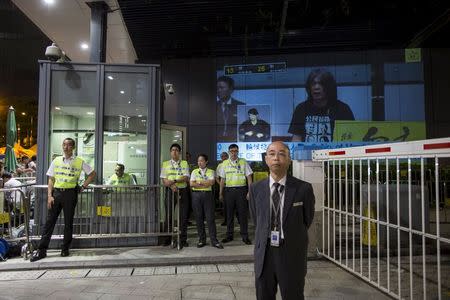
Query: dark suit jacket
{"x": 298, "y": 213}
{"x": 227, "y": 123}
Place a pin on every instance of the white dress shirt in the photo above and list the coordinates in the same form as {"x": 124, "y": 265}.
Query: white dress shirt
{"x": 282, "y": 182}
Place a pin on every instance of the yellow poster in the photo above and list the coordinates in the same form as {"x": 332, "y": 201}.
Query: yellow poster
{"x": 378, "y": 131}
{"x": 104, "y": 211}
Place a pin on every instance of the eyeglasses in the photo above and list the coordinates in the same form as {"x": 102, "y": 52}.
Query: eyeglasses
{"x": 233, "y": 151}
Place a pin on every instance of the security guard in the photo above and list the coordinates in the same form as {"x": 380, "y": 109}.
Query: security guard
{"x": 175, "y": 175}
{"x": 236, "y": 178}
{"x": 64, "y": 173}
{"x": 202, "y": 180}
{"x": 120, "y": 177}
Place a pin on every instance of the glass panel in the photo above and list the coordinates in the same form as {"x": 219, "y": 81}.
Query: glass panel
{"x": 72, "y": 114}
{"x": 169, "y": 137}
{"x": 125, "y": 125}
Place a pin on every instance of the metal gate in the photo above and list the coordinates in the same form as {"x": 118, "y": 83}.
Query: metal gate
{"x": 386, "y": 215}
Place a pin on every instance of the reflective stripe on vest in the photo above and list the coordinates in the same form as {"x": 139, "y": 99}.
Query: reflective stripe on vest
{"x": 176, "y": 171}
{"x": 197, "y": 176}
{"x": 234, "y": 173}
{"x": 124, "y": 180}
{"x": 67, "y": 175}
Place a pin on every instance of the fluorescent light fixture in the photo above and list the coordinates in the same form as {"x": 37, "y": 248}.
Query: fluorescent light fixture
{"x": 57, "y": 108}
{"x": 139, "y": 116}
{"x": 84, "y": 46}
{"x": 122, "y": 92}
{"x": 91, "y": 113}
{"x": 110, "y": 77}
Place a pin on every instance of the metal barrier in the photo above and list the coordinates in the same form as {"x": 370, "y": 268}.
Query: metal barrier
{"x": 15, "y": 212}
{"x": 105, "y": 211}
{"x": 386, "y": 215}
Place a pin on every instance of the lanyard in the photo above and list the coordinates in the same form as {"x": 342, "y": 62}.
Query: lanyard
{"x": 235, "y": 165}
{"x": 177, "y": 167}
{"x": 203, "y": 174}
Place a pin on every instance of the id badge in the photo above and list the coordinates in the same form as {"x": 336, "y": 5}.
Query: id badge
{"x": 275, "y": 238}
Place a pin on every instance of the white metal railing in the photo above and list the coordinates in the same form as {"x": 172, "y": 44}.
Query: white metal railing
{"x": 385, "y": 215}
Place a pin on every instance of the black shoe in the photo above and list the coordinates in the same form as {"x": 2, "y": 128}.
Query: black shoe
{"x": 226, "y": 240}
{"x": 183, "y": 244}
{"x": 218, "y": 245}
{"x": 39, "y": 254}
{"x": 247, "y": 241}
{"x": 65, "y": 252}
{"x": 201, "y": 244}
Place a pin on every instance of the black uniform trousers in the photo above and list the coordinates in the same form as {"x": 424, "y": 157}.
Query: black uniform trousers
{"x": 277, "y": 270}
{"x": 183, "y": 208}
{"x": 65, "y": 200}
{"x": 203, "y": 206}
{"x": 236, "y": 199}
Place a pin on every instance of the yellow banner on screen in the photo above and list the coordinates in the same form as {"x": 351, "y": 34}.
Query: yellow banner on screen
{"x": 378, "y": 131}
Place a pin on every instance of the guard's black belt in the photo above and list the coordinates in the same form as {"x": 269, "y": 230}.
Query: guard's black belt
{"x": 236, "y": 187}
{"x": 65, "y": 189}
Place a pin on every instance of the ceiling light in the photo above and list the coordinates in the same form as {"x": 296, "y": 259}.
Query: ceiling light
{"x": 122, "y": 92}
{"x": 139, "y": 116}
{"x": 84, "y": 46}
{"x": 110, "y": 77}
{"x": 24, "y": 114}
{"x": 90, "y": 113}
{"x": 49, "y": 2}
{"x": 57, "y": 108}
{"x": 129, "y": 102}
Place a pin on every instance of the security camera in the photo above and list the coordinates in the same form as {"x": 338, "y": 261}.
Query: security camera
{"x": 169, "y": 88}
{"x": 53, "y": 52}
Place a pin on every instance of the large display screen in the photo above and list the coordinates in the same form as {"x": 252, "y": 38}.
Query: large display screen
{"x": 318, "y": 105}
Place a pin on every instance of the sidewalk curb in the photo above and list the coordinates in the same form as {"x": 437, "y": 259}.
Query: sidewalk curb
{"x": 126, "y": 263}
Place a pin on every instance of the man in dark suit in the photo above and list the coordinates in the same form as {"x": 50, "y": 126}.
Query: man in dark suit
{"x": 282, "y": 208}
{"x": 226, "y": 110}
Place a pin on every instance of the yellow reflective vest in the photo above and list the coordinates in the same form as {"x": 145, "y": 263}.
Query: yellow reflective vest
{"x": 124, "y": 180}
{"x": 197, "y": 176}
{"x": 176, "y": 171}
{"x": 234, "y": 172}
{"x": 67, "y": 175}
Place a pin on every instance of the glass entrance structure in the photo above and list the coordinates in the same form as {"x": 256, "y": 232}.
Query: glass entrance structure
{"x": 111, "y": 111}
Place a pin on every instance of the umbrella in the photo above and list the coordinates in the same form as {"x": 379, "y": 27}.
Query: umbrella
{"x": 11, "y": 136}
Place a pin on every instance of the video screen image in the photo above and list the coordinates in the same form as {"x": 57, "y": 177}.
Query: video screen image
{"x": 317, "y": 106}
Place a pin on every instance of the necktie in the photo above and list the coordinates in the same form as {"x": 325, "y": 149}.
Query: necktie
{"x": 276, "y": 209}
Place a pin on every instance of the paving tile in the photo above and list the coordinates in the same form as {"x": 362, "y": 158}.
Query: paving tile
{"x": 195, "y": 269}
{"x": 228, "y": 268}
{"x": 146, "y": 271}
{"x": 21, "y": 275}
{"x": 68, "y": 295}
{"x": 59, "y": 274}
{"x": 99, "y": 273}
{"x": 109, "y": 290}
{"x": 121, "y": 272}
{"x": 246, "y": 267}
{"x": 164, "y": 270}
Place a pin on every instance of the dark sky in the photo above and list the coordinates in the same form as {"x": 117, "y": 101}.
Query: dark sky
{"x": 22, "y": 44}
